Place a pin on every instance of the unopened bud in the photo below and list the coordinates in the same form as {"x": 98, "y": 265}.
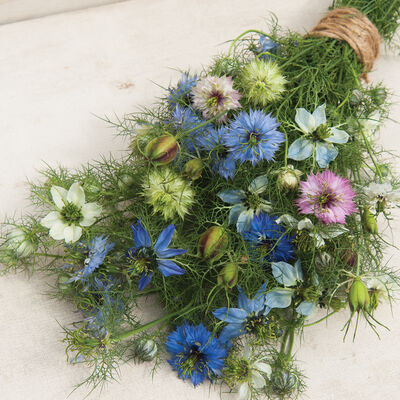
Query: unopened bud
{"x": 358, "y": 296}
{"x": 21, "y": 242}
{"x": 369, "y": 221}
{"x": 145, "y": 349}
{"x": 323, "y": 261}
{"x": 284, "y": 383}
{"x": 228, "y": 276}
{"x": 193, "y": 169}
{"x": 162, "y": 150}
{"x": 213, "y": 242}
{"x": 288, "y": 178}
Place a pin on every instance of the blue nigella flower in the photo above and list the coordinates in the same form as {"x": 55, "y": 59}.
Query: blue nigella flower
{"x": 184, "y": 119}
{"x": 147, "y": 258}
{"x": 267, "y": 237}
{"x": 222, "y": 161}
{"x": 253, "y": 137}
{"x": 181, "y": 93}
{"x": 266, "y": 45}
{"x": 196, "y": 355}
{"x": 249, "y": 317}
{"x": 95, "y": 252}
{"x": 247, "y": 203}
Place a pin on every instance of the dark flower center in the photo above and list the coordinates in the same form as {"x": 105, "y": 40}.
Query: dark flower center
{"x": 326, "y": 198}
{"x": 145, "y": 260}
{"x": 322, "y": 132}
{"x": 254, "y": 322}
{"x": 215, "y": 100}
{"x": 221, "y": 151}
{"x": 252, "y": 201}
{"x": 195, "y": 359}
{"x": 71, "y": 213}
{"x": 253, "y": 138}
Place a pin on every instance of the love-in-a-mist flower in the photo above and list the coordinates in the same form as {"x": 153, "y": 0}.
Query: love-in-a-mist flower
{"x": 246, "y": 372}
{"x": 327, "y": 196}
{"x": 181, "y": 93}
{"x": 249, "y": 317}
{"x": 253, "y": 137}
{"x": 247, "y": 203}
{"x": 261, "y": 82}
{"x": 268, "y": 240}
{"x": 221, "y": 158}
{"x": 71, "y": 213}
{"x": 168, "y": 193}
{"x": 196, "y": 354}
{"x": 266, "y": 47}
{"x": 214, "y": 95}
{"x": 95, "y": 252}
{"x": 146, "y": 258}
{"x": 382, "y": 195}
{"x": 318, "y": 137}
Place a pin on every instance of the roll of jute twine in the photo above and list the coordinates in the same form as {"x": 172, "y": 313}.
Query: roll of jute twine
{"x": 350, "y": 25}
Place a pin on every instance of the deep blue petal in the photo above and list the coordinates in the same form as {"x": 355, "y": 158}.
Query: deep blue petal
{"x": 231, "y": 315}
{"x": 165, "y": 238}
{"x": 168, "y": 253}
{"x": 168, "y": 268}
{"x": 140, "y": 235}
{"x": 144, "y": 280}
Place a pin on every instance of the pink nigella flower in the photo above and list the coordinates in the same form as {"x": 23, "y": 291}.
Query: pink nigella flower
{"x": 328, "y": 196}
{"x": 214, "y": 95}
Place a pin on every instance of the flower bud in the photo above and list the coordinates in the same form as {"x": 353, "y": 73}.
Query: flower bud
{"x": 284, "y": 383}
{"x": 355, "y": 97}
{"x": 323, "y": 261}
{"x": 162, "y": 150}
{"x": 91, "y": 185}
{"x": 212, "y": 243}
{"x": 20, "y": 242}
{"x": 193, "y": 169}
{"x": 145, "y": 349}
{"x": 288, "y": 178}
{"x": 228, "y": 276}
{"x": 349, "y": 257}
{"x": 369, "y": 221}
{"x": 358, "y": 296}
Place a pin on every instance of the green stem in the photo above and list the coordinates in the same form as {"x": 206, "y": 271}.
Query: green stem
{"x": 126, "y": 334}
{"x": 291, "y": 342}
{"x": 284, "y": 340}
{"x": 322, "y": 319}
{"x": 148, "y": 291}
{"x": 371, "y": 155}
{"x": 286, "y": 148}
{"x": 244, "y": 34}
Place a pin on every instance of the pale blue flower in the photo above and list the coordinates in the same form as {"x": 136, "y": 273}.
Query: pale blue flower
{"x": 288, "y": 276}
{"x": 318, "y": 137}
{"x": 266, "y": 45}
{"x": 246, "y": 204}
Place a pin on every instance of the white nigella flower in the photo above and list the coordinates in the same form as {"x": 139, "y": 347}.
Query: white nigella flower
{"x": 18, "y": 241}
{"x": 71, "y": 213}
{"x": 246, "y": 204}
{"x": 253, "y": 378}
{"x": 329, "y": 231}
{"x": 318, "y": 137}
{"x": 371, "y": 123}
{"x": 382, "y": 194}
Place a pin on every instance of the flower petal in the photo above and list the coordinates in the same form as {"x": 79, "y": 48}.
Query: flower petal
{"x": 305, "y": 120}
{"x": 300, "y": 149}
{"x": 232, "y": 196}
{"x": 305, "y": 223}
{"x": 244, "y": 221}
{"x": 259, "y": 184}
{"x": 257, "y": 380}
{"x": 284, "y": 273}
{"x": 59, "y": 195}
{"x": 305, "y": 308}
{"x": 57, "y": 230}
{"x": 279, "y": 298}
{"x": 319, "y": 116}
{"x": 231, "y": 331}
{"x": 235, "y": 212}
{"x": 50, "y": 219}
{"x": 168, "y": 253}
{"x": 263, "y": 367}
{"x": 72, "y": 233}
{"x": 144, "y": 280}
{"x": 165, "y": 238}
{"x": 140, "y": 235}
{"x": 337, "y": 136}
{"x": 325, "y": 153}
{"x": 244, "y": 391}
{"x": 287, "y": 220}
{"x": 231, "y": 315}
{"x": 168, "y": 268}
{"x": 90, "y": 212}
{"x": 76, "y": 195}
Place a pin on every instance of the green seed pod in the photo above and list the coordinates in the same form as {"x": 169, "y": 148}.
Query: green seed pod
{"x": 369, "y": 221}
{"x": 162, "y": 150}
{"x": 145, "y": 349}
{"x": 212, "y": 243}
{"x": 358, "y": 296}
{"x": 284, "y": 383}
{"x": 193, "y": 169}
{"x": 228, "y": 276}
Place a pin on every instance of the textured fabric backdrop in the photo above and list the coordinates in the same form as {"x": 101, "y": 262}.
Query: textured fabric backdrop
{"x": 56, "y": 75}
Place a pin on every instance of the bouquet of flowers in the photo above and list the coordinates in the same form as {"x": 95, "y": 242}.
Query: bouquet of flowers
{"x": 252, "y": 194}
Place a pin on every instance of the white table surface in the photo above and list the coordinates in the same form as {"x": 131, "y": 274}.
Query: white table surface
{"x": 56, "y": 74}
